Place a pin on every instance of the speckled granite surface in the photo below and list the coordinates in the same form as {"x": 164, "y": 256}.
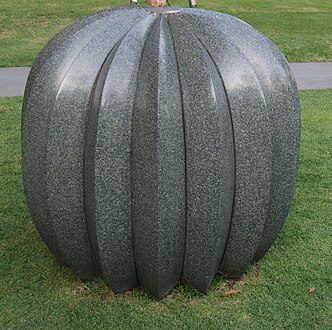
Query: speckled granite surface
{"x": 159, "y": 146}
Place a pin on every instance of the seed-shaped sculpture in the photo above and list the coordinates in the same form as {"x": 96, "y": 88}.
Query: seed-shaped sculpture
{"x": 159, "y": 145}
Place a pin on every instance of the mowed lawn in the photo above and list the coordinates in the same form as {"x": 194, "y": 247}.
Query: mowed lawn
{"x": 300, "y": 28}
{"x": 36, "y": 292}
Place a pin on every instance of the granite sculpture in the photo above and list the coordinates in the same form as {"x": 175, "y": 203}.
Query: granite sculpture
{"x": 160, "y": 145}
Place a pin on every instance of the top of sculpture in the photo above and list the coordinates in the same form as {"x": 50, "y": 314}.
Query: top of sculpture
{"x": 164, "y": 10}
{"x": 163, "y": 3}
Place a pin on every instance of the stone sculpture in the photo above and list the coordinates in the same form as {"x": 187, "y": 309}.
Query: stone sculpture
{"x": 159, "y": 145}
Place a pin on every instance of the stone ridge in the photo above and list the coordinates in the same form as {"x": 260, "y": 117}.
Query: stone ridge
{"x": 209, "y": 156}
{"x": 158, "y": 165}
{"x": 109, "y": 194}
{"x": 160, "y": 147}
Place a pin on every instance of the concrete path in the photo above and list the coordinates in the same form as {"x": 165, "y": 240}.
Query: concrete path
{"x": 307, "y": 75}
{"x": 316, "y": 75}
{"x": 12, "y": 81}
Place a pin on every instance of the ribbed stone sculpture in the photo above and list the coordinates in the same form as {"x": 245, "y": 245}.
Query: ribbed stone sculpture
{"x": 159, "y": 146}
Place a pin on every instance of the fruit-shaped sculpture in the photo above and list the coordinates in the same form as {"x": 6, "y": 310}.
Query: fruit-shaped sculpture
{"x": 160, "y": 145}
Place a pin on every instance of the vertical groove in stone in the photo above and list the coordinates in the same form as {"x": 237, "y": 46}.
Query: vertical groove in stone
{"x": 145, "y": 102}
{"x": 286, "y": 145}
{"x": 234, "y": 264}
{"x": 233, "y": 139}
{"x": 109, "y": 158}
{"x": 210, "y": 159}
{"x": 89, "y": 150}
{"x": 158, "y": 166}
{"x": 184, "y": 145}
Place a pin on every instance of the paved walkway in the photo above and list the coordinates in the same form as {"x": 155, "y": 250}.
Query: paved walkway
{"x": 317, "y": 75}
{"x": 307, "y": 75}
{"x": 12, "y": 81}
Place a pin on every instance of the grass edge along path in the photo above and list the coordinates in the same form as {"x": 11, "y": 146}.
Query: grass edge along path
{"x": 36, "y": 292}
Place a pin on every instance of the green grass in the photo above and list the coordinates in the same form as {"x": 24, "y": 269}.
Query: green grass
{"x": 301, "y": 28}
{"x": 36, "y": 292}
